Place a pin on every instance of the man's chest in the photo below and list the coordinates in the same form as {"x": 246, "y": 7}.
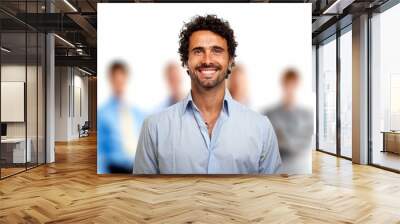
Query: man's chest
{"x": 187, "y": 149}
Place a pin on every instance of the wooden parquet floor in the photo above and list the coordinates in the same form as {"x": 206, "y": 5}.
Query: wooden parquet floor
{"x": 70, "y": 191}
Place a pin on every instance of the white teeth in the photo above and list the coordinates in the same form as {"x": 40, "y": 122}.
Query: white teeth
{"x": 207, "y": 71}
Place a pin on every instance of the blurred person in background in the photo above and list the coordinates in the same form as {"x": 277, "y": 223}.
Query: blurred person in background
{"x": 173, "y": 78}
{"x": 293, "y": 126}
{"x": 238, "y": 84}
{"x": 118, "y": 126}
{"x": 208, "y": 132}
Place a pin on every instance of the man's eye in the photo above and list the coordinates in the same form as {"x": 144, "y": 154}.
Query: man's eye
{"x": 218, "y": 51}
{"x": 197, "y": 51}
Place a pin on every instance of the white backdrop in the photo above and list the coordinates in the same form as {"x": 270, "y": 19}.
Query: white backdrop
{"x": 271, "y": 37}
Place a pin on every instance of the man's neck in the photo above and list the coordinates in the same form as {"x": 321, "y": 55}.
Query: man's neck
{"x": 118, "y": 97}
{"x": 288, "y": 104}
{"x": 209, "y": 101}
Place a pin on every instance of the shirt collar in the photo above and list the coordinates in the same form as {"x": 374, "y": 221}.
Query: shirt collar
{"x": 117, "y": 102}
{"x": 227, "y": 106}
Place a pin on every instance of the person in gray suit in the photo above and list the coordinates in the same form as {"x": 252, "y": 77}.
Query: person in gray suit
{"x": 293, "y": 126}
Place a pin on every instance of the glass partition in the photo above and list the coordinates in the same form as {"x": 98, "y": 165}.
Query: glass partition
{"x": 22, "y": 77}
{"x": 14, "y": 153}
{"x": 327, "y": 96}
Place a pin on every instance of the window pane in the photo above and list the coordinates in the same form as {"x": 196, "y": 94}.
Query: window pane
{"x": 327, "y": 96}
{"x": 346, "y": 93}
{"x": 386, "y": 88}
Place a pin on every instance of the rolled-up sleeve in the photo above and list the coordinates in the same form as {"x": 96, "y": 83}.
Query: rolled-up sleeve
{"x": 270, "y": 159}
{"x": 102, "y": 143}
{"x": 146, "y": 157}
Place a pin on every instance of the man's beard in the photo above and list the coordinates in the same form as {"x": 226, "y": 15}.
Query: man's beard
{"x": 208, "y": 83}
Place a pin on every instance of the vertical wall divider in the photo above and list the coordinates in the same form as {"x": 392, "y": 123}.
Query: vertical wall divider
{"x": 1, "y": 166}
{"x": 369, "y": 87}
{"x": 26, "y": 86}
{"x": 44, "y": 72}
{"x": 60, "y": 88}
{"x": 45, "y": 91}
{"x": 338, "y": 98}
{"x": 69, "y": 92}
{"x": 73, "y": 93}
{"x": 317, "y": 96}
{"x": 37, "y": 90}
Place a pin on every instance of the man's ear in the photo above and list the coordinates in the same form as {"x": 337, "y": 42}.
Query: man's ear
{"x": 186, "y": 68}
{"x": 229, "y": 70}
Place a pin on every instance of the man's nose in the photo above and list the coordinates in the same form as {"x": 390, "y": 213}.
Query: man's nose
{"x": 207, "y": 57}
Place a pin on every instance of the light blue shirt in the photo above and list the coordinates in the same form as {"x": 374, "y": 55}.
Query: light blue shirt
{"x": 110, "y": 152}
{"x": 176, "y": 141}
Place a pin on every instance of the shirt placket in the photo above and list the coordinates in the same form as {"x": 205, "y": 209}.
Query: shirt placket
{"x": 212, "y": 162}
{"x": 203, "y": 128}
{"x": 210, "y": 142}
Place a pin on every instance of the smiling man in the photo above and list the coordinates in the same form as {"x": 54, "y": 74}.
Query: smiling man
{"x": 208, "y": 132}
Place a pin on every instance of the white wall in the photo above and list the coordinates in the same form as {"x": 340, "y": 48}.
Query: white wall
{"x": 61, "y": 103}
{"x": 70, "y": 83}
{"x": 80, "y": 84}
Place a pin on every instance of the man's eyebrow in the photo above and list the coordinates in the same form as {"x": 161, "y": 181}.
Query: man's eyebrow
{"x": 197, "y": 48}
{"x": 212, "y": 47}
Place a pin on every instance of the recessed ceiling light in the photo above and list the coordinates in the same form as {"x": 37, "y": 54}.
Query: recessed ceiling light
{"x": 338, "y": 6}
{"x": 70, "y": 5}
{"x": 84, "y": 71}
{"x": 5, "y": 50}
{"x": 64, "y": 40}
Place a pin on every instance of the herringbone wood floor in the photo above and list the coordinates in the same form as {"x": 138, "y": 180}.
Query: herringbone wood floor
{"x": 70, "y": 191}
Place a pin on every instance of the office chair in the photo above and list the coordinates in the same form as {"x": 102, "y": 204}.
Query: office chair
{"x": 84, "y": 130}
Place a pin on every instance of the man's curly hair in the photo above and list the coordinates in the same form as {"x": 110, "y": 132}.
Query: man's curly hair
{"x": 211, "y": 23}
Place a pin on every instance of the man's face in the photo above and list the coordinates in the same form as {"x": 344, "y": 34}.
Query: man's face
{"x": 173, "y": 77}
{"x": 208, "y": 59}
{"x": 290, "y": 89}
{"x": 238, "y": 84}
{"x": 119, "y": 79}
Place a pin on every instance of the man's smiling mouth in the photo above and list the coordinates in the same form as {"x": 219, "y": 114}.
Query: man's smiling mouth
{"x": 207, "y": 72}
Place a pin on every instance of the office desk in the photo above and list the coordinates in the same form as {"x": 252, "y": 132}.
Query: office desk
{"x": 13, "y": 150}
{"x": 391, "y": 141}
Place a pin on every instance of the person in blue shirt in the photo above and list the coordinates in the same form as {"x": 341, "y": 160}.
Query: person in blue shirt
{"x": 208, "y": 132}
{"x": 118, "y": 126}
